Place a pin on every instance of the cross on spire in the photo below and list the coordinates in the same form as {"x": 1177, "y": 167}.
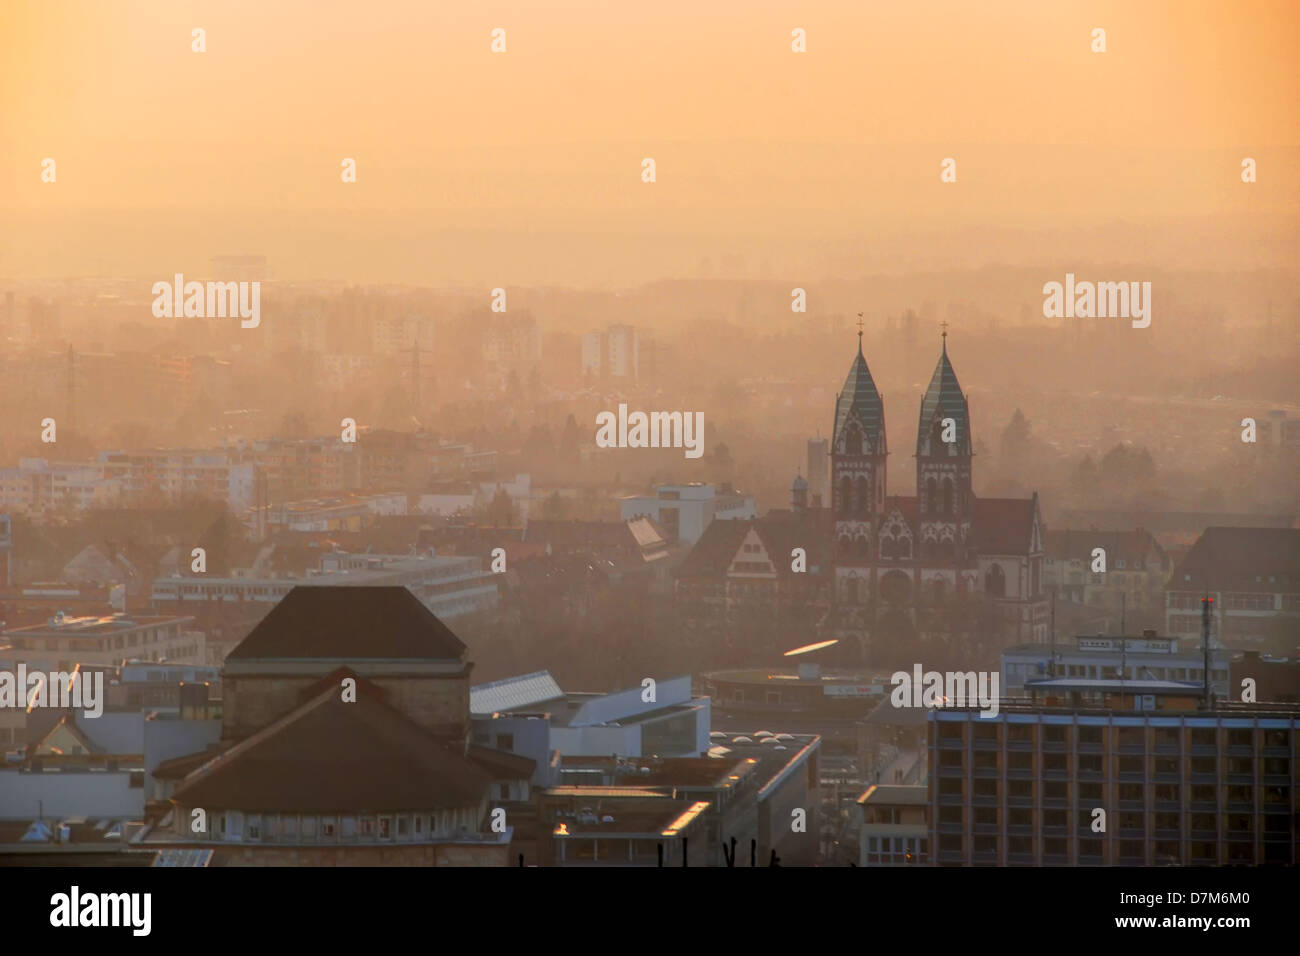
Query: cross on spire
{"x": 944, "y": 326}
{"x": 859, "y": 329}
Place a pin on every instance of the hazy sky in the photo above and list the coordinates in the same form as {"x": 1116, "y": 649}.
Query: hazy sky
{"x": 524, "y": 167}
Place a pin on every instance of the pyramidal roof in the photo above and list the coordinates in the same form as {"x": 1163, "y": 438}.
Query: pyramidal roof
{"x": 861, "y": 399}
{"x": 944, "y": 399}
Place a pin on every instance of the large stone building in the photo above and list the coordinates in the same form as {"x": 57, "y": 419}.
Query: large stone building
{"x": 903, "y": 563}
{"x": 345, "y": 740}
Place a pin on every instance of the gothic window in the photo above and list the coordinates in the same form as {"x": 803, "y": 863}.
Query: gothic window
{"x": 846, "y": 544}
{"x": 846, "y": 495}
{"x": 947, "y": 496}
{"x": 937, "y": 445}
{"x": 995, "y": 582}
{"x": 930, "y": 489}
{"x": 864, "y": 549}
{"x": 853, "y": 441}
{"x": 864, "y": 496}
{"x": 895, "y": 587}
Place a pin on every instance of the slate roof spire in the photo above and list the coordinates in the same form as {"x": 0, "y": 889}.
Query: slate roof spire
{"x": 860, "y": 400}
{"x": 943, "y": 399}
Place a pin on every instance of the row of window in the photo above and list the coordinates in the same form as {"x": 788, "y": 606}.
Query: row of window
{"x": 1125, "y": 736}
{"x": 236, "y": 827}
{"x": 1162, "y": 851}
{"x": 1093, "y": 793}
{"x": 1270, "y": 823}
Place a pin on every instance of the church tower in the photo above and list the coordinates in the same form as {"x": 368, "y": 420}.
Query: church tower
{"x": 945, "y": 502}
{"x": 858, "y": 452}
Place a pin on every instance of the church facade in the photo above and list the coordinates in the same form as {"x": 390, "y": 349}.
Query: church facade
{"x": 942, "y": 562}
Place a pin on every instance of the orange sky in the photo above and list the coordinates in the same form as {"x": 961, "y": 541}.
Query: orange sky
{"x": 525, "y": 166}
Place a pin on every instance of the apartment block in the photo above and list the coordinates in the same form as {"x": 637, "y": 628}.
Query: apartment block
{"x": 1178, "y": 786}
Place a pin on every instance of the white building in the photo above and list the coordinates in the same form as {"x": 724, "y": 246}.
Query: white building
{"x": 532, "y": 716}
{"x": 39, "y": 486}
{"x": 1143, "y": 658}
{"x": 448, "y": 586}
{"x": 684, "y": 511}
{"x": 612, "y": 353}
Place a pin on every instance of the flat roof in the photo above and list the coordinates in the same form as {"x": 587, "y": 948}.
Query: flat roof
{"x": 1116, "y": 686}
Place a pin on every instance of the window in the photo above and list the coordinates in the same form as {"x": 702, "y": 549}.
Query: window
{"x": 503, "y": 791}
{"x": 254, "y": 826}
{"x": 995, "y": 581}
{"x": 385, "y": 828}
{"x": 505, "y": 741}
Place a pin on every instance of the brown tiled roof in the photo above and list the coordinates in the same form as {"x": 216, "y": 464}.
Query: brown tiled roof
{"x": 1002, "y": 525}
{"x": 713, "y": 552}
{"x": 780, "y": 532}
{"x": 1242, "y": 559}
{"x": 327, "y": 755}
{"x": 344, "y": 622}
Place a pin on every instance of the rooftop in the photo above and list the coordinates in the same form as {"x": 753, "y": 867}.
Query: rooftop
{"x": 345, "y": 622}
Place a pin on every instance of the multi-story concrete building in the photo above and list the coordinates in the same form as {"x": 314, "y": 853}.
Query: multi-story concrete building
{"x": 819, "y": 460}
{"x": 1177, "y": 784}
{"x": 106, "y": 640}
{"x": 178, "y": 473}
{"x": 611, "y": 354}
{"x": 1253, "y": 577}
{"x": 447, "y": 585}
{"x": 685, "y": 511}
{"x": 39, "y": 487}
{"x": 530, "y": 715}
{"x": 1113, "y": 658}
{"x": 893, "y": 824}
{"x": 1133, "y": 582}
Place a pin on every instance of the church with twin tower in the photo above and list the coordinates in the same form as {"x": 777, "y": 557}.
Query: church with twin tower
{"x": 899, "y": 562}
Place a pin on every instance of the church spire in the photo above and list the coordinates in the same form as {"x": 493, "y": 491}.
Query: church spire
{"x": 943, "y": 399}
{"x": 860, "y": 405}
